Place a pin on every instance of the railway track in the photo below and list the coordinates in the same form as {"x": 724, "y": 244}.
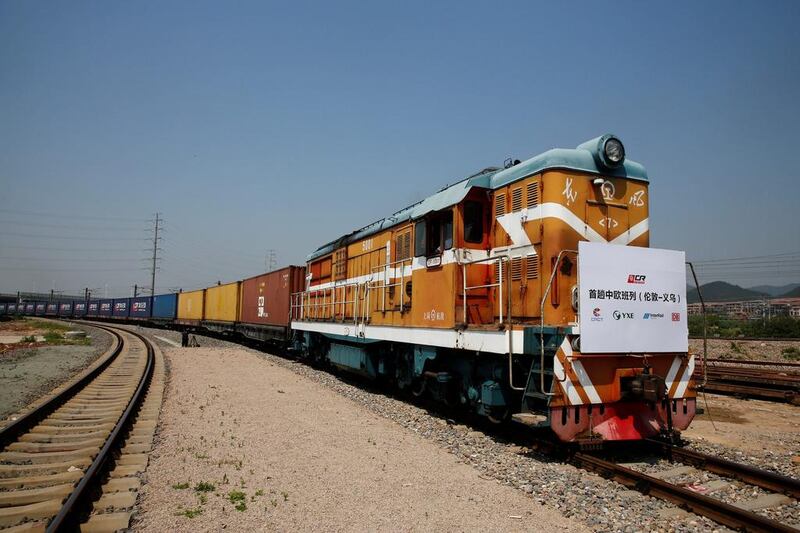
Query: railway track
{"x": 71, "y": 460}
{"x": 737, "y": 516}
{"x": 753, "y": 379}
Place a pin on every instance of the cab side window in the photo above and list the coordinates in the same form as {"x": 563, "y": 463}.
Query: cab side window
{"x": 434, "y": 234}
{"x": 473, "y": 222}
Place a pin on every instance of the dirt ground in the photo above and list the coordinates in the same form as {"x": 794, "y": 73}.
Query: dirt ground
{"x": 244, "y": 444}
{"x": 28, "y": 373}
{"x": 750, "y": 425}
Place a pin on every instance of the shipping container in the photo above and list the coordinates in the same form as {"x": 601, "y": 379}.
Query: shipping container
{"x": 93, "y": 309}
{"x": 51, "y": 309}
{"x": 65, "y": 309}
{"x": 11, "y": 309}
{"x": 222, "y": 303}
{"x": 141, "y": 307}
{"x": 41, "y": 308}
{"x": 165, "y": 306}
{"x": 190, "y": 305}
{"x": 122, "y": 307}
{"x": 265, "y": 298}
{"x": 30, "y": 307}
{"x": 2, "y": 309}
{"x": 106, "y": 308}
{"x": 79, "y": 309}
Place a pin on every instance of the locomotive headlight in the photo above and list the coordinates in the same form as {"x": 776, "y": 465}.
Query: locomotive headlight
{"x": 614, "y": 151}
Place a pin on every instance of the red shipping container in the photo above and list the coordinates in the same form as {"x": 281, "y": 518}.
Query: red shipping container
{"x": 266, "y": 298}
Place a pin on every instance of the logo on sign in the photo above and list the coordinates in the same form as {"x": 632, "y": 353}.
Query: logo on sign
{"x": 676, "y": 317}
{"x": 618, "y": 315}
{"x": 596, "y": 315}
{"x": 636, "y": 278}
{"x": 653, "y": 316}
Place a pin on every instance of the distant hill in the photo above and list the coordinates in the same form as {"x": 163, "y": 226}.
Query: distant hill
{"x": 775, "y": 290}
{"x": 719, "y": 291}
{"x": 794, "y": 293}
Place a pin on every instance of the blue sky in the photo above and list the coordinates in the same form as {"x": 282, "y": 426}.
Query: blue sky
{"x": 255, "y": 125}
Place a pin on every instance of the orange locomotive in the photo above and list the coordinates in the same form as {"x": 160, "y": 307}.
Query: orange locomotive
{"x": 473, "y": 296}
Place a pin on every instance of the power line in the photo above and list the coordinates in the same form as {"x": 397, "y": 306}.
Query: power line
{"x": 62, "y": 216}
{"x": 70, "y": 237}
{"x": 51, "y": 249}
{"x": 69, "y": 226}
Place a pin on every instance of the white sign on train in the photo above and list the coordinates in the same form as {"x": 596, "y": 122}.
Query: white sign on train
{"x": 631, "y": 299}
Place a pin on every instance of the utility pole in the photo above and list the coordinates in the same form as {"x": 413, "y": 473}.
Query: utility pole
{"x": 135, "y": 290}
{"x": 271, "y": 260}
{"x": 86, "y": 295}
{"x": 155, "y": 255}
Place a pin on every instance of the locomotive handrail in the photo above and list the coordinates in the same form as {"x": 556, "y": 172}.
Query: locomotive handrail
{"x": 321, "y": 301}
{"x": 541, "y": 327}
{"x": 705, "y": 335}
{"x": 384, "y": 279}
{"x": 499, "y": 258}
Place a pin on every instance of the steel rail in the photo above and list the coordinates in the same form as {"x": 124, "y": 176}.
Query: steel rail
{"x": 69, "y": 517}
{"x": 23, "y": 424}
{"x": 717, "y": 510}
{"x": 745, "y": 473}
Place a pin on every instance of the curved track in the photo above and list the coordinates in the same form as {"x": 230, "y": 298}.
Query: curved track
{"x": 56, "y": 456}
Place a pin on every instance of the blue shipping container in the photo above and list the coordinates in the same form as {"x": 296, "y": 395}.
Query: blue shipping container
{"x": 93, "y": 309}
{"x": 141, "y": 307}
{"x": 51, "y": 309}
{"x": 106, "y": 308}
{"x": 40, "y": 308}
{"x": 65, "y": 309}
{"x": 122, "y": 307}
{"x": 79, "y": 309}
{"x": 165, "y": 306}
{"x": 29, "y": 307}
{"x": 2, "y": 309}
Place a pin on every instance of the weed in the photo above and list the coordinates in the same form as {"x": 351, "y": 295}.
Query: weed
{"x": 204, "y": 486}
{"x": 225, "y": 479}
{"x": 191, "y": 513}
{"x": 260, "y": 492}
{"x": 285, "y": 496}
{"x": 53, "y": 337}
{"x": 736, "y": 347}
{"x": 202, "y": 498}
{"x": 274, "y": 502}
{"x": 180, "y": 486}
{"x": 28, "y": 338}
{"x": 792, "y": 353}
{"x": 237, "y": 498}
{"x": 200, "y": 455}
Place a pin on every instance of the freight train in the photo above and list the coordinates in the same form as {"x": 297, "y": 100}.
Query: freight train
{"x": 526, "y": 292}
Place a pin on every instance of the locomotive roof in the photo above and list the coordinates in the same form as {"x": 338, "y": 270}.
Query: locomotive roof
{"x": 583, "y": 158}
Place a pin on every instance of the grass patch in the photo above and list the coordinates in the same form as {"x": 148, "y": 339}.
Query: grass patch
{"x": 191, "y": 513}
{"x": 43, "y": 324}
{"x": 204, "y": 486}
{"x": 180, "y": 486}
{"x": 237, "y": 498}
{"x": 28, "y": 338}
{"x": 791, "y": 353}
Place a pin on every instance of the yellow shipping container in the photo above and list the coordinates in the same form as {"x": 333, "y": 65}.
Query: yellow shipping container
{"x": 190, "y": 305}
{"x": 222, "y": 302}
